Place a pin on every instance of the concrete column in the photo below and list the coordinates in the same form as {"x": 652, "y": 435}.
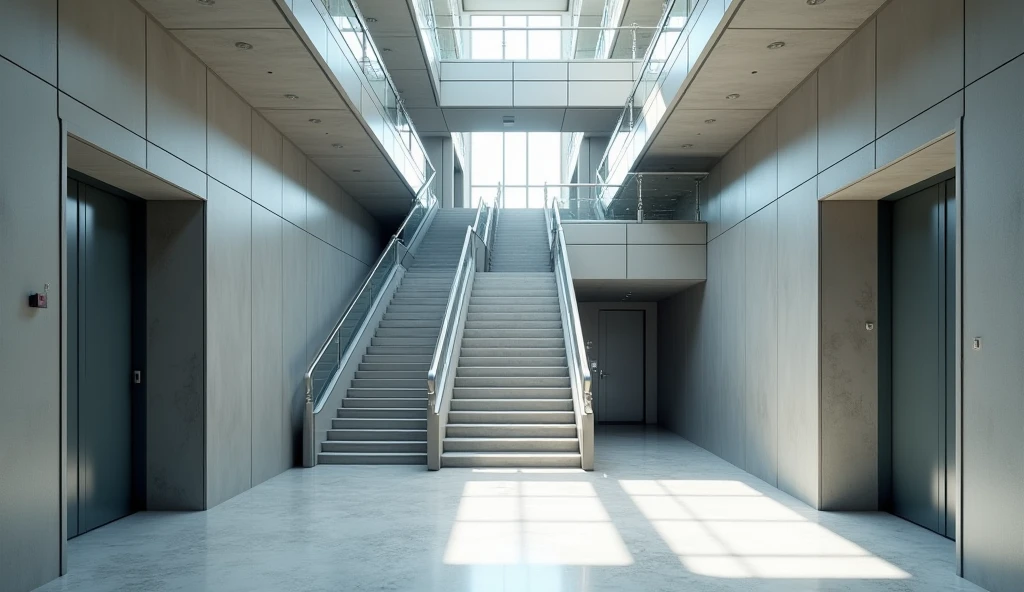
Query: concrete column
{"x": 447, "y": 173}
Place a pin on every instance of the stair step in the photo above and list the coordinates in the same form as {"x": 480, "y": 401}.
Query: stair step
{"x": 511, "y": 352}
{"x": 514, "y": 316}
{"x": 509, "y": 392}
{"x": 373, "y": 446}
{"x": 517, "y": 430}
{"x": 372, "y": 458}
{"x": 410, "y": 323}
{"x": 507, "y": 308}
{"x": 377, "y": 435}
{"x": 392, "y": 383}
{"x": 388, "y": 374}
{"x": 384, "y": 402}
{"x": 383, "y": 412}
{"x": 397, "y": 359}
{"x": 404, "y": 341}
{"x": 511, "y": 459}
{"x": 511, "y": 405}
{"x": 400, "y": 393}
{"x": 514, "y": 333}
{"x": 511, "y": 445}
{"x": 359, "y": 423}
{"x": 492, "y": 362}
{"x": 501, "y": 342}
{"x": 509, "y": 417}
{"x": 393, "y": 367}
{"x": 408, "y": 332}
{"x": 556, "y": 325}
{"x": 415, "y": 350}
{"x": 512, "y": 371}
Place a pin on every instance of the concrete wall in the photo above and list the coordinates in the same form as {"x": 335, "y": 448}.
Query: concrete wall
{"x": 900, "y": 82}
{"x": 240, "y": 288}
{"x": 652, "y": 251}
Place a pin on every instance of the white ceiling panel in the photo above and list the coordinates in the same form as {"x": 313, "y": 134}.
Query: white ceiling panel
{"x": 388, "y": 18}
{"x": 688, "y": 126}
{"x": 590, "y": 120}
{"x": 337, "y": 126}
{"x": 428, "y": 120}
{"x": 414, "y": 87}
{"x": 401, "y": 53}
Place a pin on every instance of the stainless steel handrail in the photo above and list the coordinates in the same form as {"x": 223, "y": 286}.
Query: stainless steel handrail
{"x": 395, "y": 238}
{"x": 578, "y": 349}
{"x": 445, "y": 339}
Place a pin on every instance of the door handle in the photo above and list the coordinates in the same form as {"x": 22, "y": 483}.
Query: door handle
{"x": 603, "y": 374}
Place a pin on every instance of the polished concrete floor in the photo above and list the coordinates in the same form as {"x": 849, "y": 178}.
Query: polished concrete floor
{"x": 658, "y": 514}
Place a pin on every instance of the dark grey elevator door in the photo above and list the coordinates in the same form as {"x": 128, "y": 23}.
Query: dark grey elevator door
{"x": 923, "y": 251}
{"x": 99, "y": 358}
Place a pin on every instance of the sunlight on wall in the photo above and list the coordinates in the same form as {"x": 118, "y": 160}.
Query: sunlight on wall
{"x": 727, "y": 529}
{"x": 533, "y": 522}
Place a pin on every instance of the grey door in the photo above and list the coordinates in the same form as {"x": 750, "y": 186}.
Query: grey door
{"x": 620, "y": 376}
{"x": 99, "y": 358}
{"x": 923, "y": 263}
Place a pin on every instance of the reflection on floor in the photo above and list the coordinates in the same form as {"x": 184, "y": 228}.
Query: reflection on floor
{"x": 658, "y": 514}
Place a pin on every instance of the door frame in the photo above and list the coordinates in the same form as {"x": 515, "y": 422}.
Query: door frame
{"x": 643, "y": 373}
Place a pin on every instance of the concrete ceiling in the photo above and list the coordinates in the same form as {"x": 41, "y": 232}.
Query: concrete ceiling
{"x": 280, "y": 63}
{"x": 741, "y": 63}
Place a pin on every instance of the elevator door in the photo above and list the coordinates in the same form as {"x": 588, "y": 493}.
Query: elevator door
{"x": 99, "y": 358}
{"x": 620, "y": 366}
{"x": 923, "y": 269}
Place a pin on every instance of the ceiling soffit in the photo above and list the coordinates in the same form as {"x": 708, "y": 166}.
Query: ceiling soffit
{"x": 742, "y": 80}
{"x": 319, "y": 121}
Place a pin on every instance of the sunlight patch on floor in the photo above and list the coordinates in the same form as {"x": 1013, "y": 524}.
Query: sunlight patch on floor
{"x": 533, "y": 522}
{"x": 728, "y": 529}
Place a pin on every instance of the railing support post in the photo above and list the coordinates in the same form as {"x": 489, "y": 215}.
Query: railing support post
{"x": 640, "y": 198}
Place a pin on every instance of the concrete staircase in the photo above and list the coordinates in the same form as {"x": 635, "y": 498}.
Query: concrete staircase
{"x": 383, "y": 419}
{"x": 520, "y": 242}
{"x": 512, "y": 403}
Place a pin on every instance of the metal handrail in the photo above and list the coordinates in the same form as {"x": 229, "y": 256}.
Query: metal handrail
{"x": 578, "y": 349}
{"x": 395, "y": 238}
{"x": 446, "y": 338}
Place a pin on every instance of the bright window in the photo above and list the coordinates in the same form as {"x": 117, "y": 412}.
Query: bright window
{"x": 521, "y": 162}
{"x": 516, "y": 37}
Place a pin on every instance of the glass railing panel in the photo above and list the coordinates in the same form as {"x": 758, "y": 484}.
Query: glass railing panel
{"x": 330, "y": 362}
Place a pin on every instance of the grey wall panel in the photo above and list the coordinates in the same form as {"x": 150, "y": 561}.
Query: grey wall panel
{"x": 175, "y": 97}
{"x": 762, "y": 186}
{"x": 993, "y": 401}
{"x": 296, "y": 355}
{"x": 798, "y": 343}
{"x": 733, "y": 196}
{"x": 229, "y": 136}
{"x": 933, "y": 123}
{"x": 293, "y": 201}
{"x": 849, "y": 356}
{"x": 267, "y": 168}
{"x": 762, "y": 336}
{"x": 102, "y": 58}
{"x": 992, "y": 33}
{"x": 711, "y": 434}
{"x": 30, "y": 351}
{"x": 798, "y": 136}
{"x": 920, "y": 57}
{"x": 712, "y": 213}
{"x": 271, "y": 444}
{"x": 732, "y": 421}
{"x": 175, "y": 356}
{"x": 852, "y": 168}
{"x": 228, "y": 342}
{"x": 28, "y": 36}
{"x": 846, "y": 99}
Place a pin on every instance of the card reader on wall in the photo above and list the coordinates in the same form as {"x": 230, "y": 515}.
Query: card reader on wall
{"x": 37, "y": 300}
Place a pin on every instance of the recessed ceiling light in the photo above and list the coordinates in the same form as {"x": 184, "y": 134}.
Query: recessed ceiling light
{"x": 687, "y": 146}
{"x": 291, "y": 97}
{"x": 777, "y": 45}
{"x": 754, "y": 72}
{"x": 314, "y": 120}
{"x": 815, "y": 2}
{"x": 206, "y": 2}
{"x": 731, "y": 97}
{"x": 243, "y": 45}
{"x": 357, "y": 170}
{"x": 370, "y": 19}
{"x": 385, "y": 49}
{"x": 337, "y": 146}
{"x": 710, "y": 120}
